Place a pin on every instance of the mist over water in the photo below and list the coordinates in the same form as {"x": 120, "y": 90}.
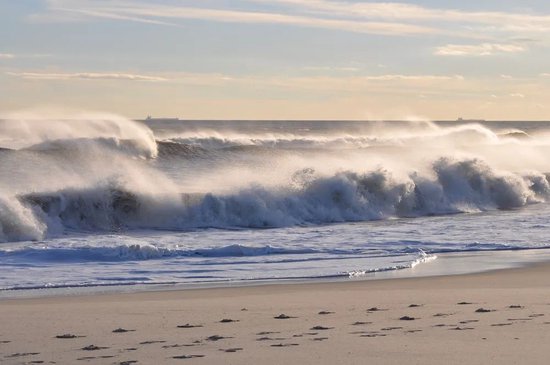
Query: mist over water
{"x": 104, "y": 172}
{"x": 72, "y": 174}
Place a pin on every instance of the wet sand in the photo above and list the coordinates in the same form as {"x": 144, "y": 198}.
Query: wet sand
{"x": 495, "y": 317}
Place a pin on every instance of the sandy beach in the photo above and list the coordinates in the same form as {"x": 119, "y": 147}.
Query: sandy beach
{"x": 494, "y": 317}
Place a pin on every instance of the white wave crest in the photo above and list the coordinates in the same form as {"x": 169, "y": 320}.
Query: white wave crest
{"x": 453, "y": 186}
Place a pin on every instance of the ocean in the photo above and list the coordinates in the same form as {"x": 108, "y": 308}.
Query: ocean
{"x": 97, "y": 200}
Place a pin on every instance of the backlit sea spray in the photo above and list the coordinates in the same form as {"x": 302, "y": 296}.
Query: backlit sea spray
{"x": 96, "y": 199}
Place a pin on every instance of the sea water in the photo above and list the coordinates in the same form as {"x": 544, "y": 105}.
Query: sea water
{"x": 90, "y": 200}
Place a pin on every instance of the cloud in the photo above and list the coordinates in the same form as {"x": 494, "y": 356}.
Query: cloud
{"x": 138, "y": 11}
{"x": 377, "y": 17}
{"x": 413, "y": 77}
{"x": 84, "y": 76}
{"x": 384, "y": 18}
{"x": 546, "y": 74}
{"x": 77, "y": 15}
{"x": 319, "y": 85}
{"x": 517, "y": 95}
{"x": 10, "y": 56}
{"x": 484, "y": 49}
{"x": 331, "y": 68}
{"x": 216, "y": 80}
{"x": 413, "y": 12}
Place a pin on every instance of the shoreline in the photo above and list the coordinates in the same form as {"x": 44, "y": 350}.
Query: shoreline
{"x": 473, "y": 318}
{"x": 446, "y": 264}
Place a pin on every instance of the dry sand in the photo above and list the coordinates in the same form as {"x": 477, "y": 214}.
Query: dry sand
{"x": 433, "y": 320}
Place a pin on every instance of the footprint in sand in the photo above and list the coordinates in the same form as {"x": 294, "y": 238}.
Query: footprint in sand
{"x": 320, "y": 328}
{"x": 68, "y": 336}
{"x": 407, "y": 318}
{"x": 233, "y": 349}
{"x": 391, "y": 328}
{"x": 183, "y": 357}
{"x": 95, "y": 357}
{"x": 285, "y": 345}
{"x": 93, "y": 348}
{"x": 22, "y": 354}
{"x": 264, "y": 339}
{"x": 372, "y": 335}
{"x": 444, "y": 314}
{"x": 150, "y": 342}
{"x": 187, "y": 325}
{"x": 375, "y": 309}
{"x": 360, "y": 323}
{"x": 181, "y": 345}
{"x": 215, "y": 338}
{"x": 283, "y": 316}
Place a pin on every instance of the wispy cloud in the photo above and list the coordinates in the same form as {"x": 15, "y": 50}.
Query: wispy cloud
{"x": 414, "y": 77}
{"x": 413, "y": 12}
{"x": 384, "y": 18}
{"x": 484, "y": 49}
{"x": 331, "y": 68}
{"x": 6, "y": 56}
{"x": 321, "y": 84}
{"x": 314, "y": 83}
{"x": 84, "y": 76}
{"x": 76, "y": 14}
{"x": 168, "y": 14}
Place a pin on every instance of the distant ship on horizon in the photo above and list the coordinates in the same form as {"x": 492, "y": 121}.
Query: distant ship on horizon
{"x": 150, "y": 119}
{"x": 460, "y": 119}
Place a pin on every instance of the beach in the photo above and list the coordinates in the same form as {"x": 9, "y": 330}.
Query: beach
{"x": 501, "y": 316}
{"x": 274, "y": 182}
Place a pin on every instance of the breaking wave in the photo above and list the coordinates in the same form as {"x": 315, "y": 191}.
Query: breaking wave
{"x": 98, "y": 172}
{"x": 452, "y": 186}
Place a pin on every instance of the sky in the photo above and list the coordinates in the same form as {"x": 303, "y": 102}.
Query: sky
{"x": 278, "y": 59}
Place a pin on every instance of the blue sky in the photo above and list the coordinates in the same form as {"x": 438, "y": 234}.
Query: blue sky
{"x": 278, "y": 59}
